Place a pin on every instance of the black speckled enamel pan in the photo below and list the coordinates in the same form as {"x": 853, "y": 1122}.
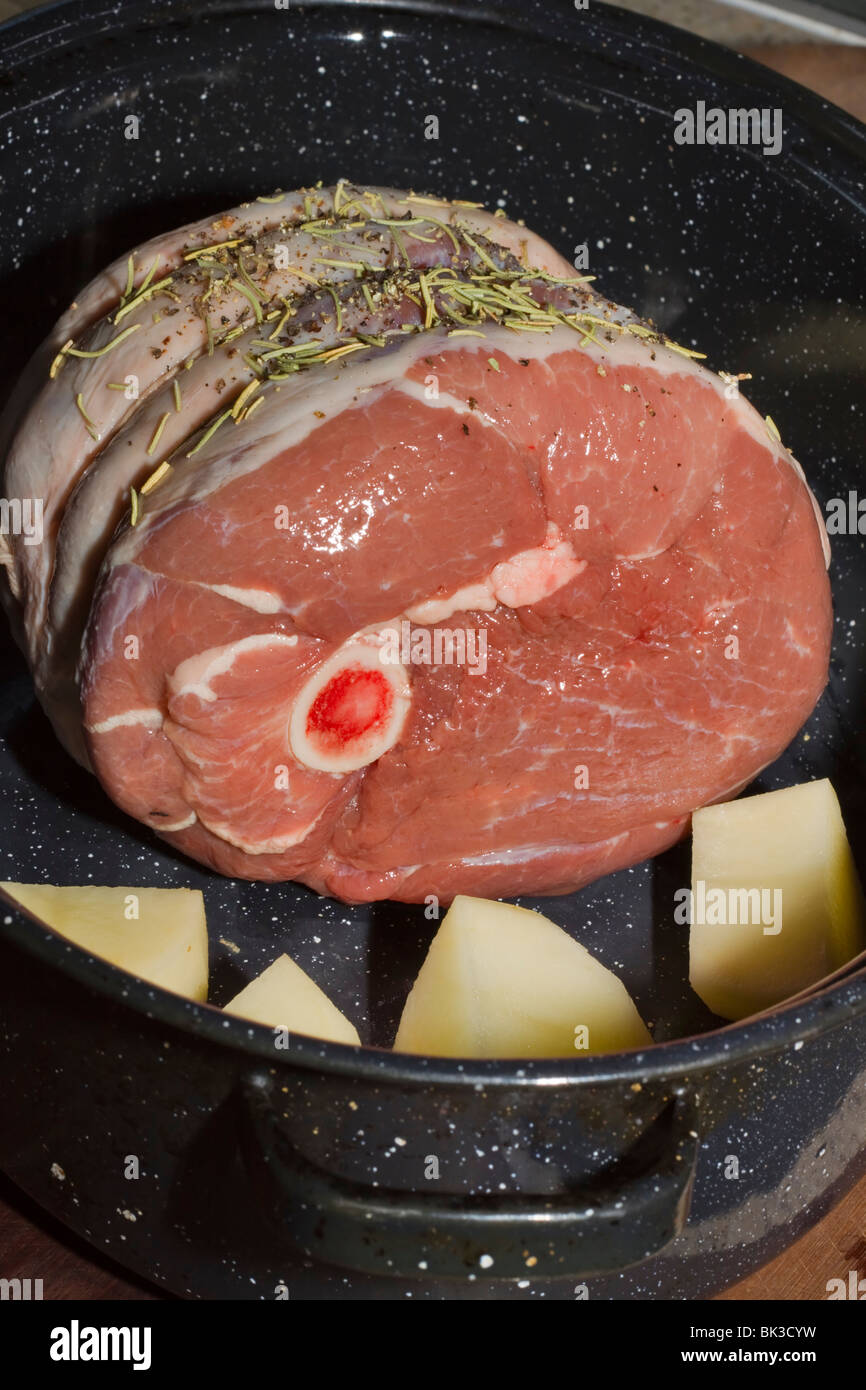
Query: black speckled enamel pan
{"x": 313, "y": 1168}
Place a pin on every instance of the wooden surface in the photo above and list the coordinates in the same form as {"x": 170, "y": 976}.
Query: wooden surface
{"x": 836, "y": 72}
{"x": 829, "y": 1251}
{"x": 33, "y": 1246}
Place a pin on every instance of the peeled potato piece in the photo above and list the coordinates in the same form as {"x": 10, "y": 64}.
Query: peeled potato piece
{"x": 500, "y": 981}
{"x": 807, "y": 922}
{"x": 284, "y": 996}
{"x": 159, "y": 934}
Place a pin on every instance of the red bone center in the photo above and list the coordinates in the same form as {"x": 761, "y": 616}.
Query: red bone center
{"x": 356, "y": 703}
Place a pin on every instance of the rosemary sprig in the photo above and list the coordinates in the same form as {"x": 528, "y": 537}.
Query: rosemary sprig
{"x": 245, "y": 414}
{"x": 429, "y": 308}
{"x": 141, "y": 296}
{"x": 151, "y": 448}
{"x": 351, "y": 265}
{"x": 248, "y": 391}
{"x": 214, "y": 246}
{"x": 338, "y": 308}
{"x": 251, "y": 285}
{"x": 254, "y": 301}
{"x": 479, "y": 251}
{"x": 209, "y": 433}
{"x": 233, "y": 333}
{"x": 303, "y": 274}
{"x": 155, "y": 477}
{"x": 60, "y": 359}
{"x": 90, "y": 424}
{"x": 100, "y": 352}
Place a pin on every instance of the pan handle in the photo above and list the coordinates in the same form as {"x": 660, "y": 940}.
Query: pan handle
{"x": 625, "y": 1216}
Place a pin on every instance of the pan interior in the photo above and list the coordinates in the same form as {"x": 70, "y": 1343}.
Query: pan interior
{"x": 755, "y": 259}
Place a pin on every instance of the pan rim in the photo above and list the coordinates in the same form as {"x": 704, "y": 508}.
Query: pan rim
{"x": 539, "y": 18}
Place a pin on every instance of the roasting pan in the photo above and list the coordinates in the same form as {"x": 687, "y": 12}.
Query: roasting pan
{"x": 311, "y": 1171}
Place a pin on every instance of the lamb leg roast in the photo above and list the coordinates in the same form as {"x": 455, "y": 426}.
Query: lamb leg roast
{"x": 381, "y": 552}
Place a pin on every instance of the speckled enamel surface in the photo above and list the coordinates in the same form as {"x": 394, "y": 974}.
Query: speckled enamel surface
{"x": 566, "y": 119}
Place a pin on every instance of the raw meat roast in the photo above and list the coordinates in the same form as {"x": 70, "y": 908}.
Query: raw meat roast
{"x": 382, "y": 553}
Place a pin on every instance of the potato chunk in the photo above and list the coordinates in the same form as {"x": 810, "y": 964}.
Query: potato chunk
{"x": 774, "y": 881}
{"x": 159, "y": 934}
{"x": 500, "y": 981}
{"x": 284, "y": 996}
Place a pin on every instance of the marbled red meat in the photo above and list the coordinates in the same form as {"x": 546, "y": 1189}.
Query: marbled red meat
{"x": 547, "y": 482}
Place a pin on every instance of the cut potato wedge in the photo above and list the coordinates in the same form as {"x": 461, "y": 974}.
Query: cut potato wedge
{"x": 754, "y": 949}
{"x": 159, "y": 934}
{"x": 501, "y": 981}
{"x": 284, "y": 996}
